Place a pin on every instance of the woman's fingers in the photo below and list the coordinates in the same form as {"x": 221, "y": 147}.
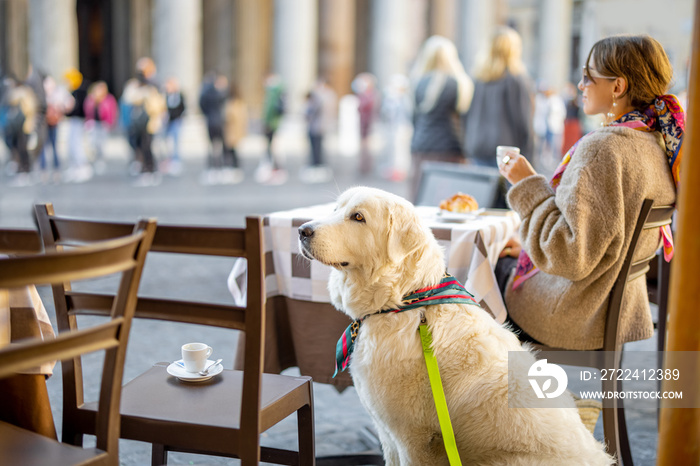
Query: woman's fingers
{"x": 514, "y": 167}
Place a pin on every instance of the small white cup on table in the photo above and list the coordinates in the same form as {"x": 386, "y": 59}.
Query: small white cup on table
{"x": 195, "y": 355}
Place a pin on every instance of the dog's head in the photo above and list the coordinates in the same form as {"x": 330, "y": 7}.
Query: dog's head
{"x": 376, "y": 238}
{"x": 369, "y": 228}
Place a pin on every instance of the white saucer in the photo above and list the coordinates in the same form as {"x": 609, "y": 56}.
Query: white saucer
{"x": 178, "y": 371}
{"x": 447, "y": 216}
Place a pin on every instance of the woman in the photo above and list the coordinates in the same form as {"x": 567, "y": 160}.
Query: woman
{"x": 101, "y": 112}
{"x": 442, "y": 92}
{"x": 576, "y": 228}
{"x": 501, "y": 112}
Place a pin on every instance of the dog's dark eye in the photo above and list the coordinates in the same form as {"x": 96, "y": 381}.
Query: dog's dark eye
{"x": 358, "y": 217}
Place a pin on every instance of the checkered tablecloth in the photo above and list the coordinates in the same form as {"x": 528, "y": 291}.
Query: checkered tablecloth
{"x": 471, "y": 252}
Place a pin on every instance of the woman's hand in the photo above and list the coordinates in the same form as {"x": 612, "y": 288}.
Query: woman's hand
{"x": 512, "y": 247}
{"x": 514, "y": 167}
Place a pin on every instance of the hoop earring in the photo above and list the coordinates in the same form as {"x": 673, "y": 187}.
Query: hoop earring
{"x": 610, "y": 116}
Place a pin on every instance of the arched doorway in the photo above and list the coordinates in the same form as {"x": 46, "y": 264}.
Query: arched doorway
{"x": 104, "y": 41}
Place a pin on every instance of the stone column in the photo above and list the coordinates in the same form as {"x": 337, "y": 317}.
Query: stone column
{"x": 555, "y": 42}
{"x": 141, "y": 19}
{"x": 477, "y": 21}
{"x": 295, "y": 48}
{"x": 218, "y": 36}
{"x": 337, "y": 43}
{"x": 53, "y": 36}
{"x": 443, "y": 18}
{"x": 177, "y": 44}
{"x": 253, "y": 44}
{"x": 392, "y": 47}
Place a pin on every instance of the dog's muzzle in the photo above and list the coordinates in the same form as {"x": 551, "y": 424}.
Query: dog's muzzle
{"x": 306, "y": 233}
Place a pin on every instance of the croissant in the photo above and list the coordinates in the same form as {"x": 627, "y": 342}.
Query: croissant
{"x": 460, "y": 202}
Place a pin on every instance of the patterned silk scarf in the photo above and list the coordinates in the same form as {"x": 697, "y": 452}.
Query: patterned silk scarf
{"x": 449, "y": 290}
{"x": 664, "y": 115}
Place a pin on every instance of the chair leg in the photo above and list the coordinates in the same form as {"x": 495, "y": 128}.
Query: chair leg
{"x": 305, "y": 427}
{"x": 664, "y": 277}
{"x": 625, "y": 451}
{"x": 614, "y": 424}
{"x": 71, "y": 437}
{"x": 159, "y": 454}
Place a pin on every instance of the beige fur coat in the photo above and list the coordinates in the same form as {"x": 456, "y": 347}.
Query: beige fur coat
{"x": 578, "y": 238}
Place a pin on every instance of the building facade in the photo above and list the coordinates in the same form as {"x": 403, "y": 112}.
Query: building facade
{"x": 306, "y": 39}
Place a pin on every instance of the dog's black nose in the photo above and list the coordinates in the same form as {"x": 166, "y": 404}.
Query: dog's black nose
{"x": 305, "y": 231}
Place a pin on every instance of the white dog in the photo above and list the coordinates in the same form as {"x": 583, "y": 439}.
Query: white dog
{"x": 380, "y": 251}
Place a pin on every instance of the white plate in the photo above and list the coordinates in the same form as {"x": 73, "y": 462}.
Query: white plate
{"x": 447, "y": 216}
{"x": 178, "y": 371}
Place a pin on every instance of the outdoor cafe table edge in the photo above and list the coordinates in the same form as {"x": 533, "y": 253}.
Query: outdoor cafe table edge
{"x": 302, "y": 327}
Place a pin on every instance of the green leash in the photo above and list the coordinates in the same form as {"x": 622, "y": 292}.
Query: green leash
{"x": 448, "y": 435}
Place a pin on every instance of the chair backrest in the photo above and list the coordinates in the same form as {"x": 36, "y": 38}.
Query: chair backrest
{"x": 440, "y": 180}
{"x": 124, "y": 255}
{"x": 198, "y": 240}
{"x": 650, "y": 217}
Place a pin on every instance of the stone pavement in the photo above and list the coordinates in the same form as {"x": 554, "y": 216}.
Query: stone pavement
{"x": 341, "y": 423}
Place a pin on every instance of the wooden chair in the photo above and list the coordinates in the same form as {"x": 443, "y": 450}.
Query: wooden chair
{"x": 440, "y": 180}
{"x": 614, "y": 426}
{"x": 658, "y": 294}
{"x": 20, "y": 241}
{"x": 224, "y": 416}
{"x": 124, "y": 255}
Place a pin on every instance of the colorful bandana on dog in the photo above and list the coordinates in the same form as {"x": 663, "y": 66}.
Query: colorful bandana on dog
{"x": 666, "y": 116}
{"x": 448, "y": 291}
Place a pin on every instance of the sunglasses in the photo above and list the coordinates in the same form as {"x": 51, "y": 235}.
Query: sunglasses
{"x": 589, "y": 73}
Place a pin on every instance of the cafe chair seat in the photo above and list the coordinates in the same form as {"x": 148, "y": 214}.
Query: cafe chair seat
{"x": 651, "y": 217}
{"x": 188, "y": 413}
{"x": 20, "y": 446}
{"x": 123, "y": 256}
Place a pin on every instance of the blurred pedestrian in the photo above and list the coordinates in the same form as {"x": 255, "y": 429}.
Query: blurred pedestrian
{"x": 175, "y": 101}
{"x": 235, "y": 129}
{"x": 572, "y": 123}
{"x": 501, "y": 110}
{"x": 211, "y": 102}
{"x": 58, "y": 102}
{"x": 100, "y": 117}
{"x": 19, "y": 126}
{"x": 365, "y": 87}
{"x": 35, "y": 80}
{"x": 147, "y": 114}
{"x": 548, "y": 126}
{"x": 274, "y": 107}
{"x": 145, "y": 70}
{"x": 6, "y": 85}
{"x": 442, "y": 94}
{"x": 79, "y": 170}
{"x": 319, "y": 111}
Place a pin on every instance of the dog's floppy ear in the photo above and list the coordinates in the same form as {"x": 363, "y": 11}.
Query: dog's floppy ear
{"x": 405, "y": 234}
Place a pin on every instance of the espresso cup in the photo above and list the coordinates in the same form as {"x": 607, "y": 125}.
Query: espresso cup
{"x": 501, "y": 152}
{"x": 195, "y": 355}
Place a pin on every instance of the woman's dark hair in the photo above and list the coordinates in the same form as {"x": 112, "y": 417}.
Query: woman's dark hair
{"x": 640, "y": 60}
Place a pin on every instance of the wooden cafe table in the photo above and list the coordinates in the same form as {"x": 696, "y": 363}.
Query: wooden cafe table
{"x": 302, "y": 327}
